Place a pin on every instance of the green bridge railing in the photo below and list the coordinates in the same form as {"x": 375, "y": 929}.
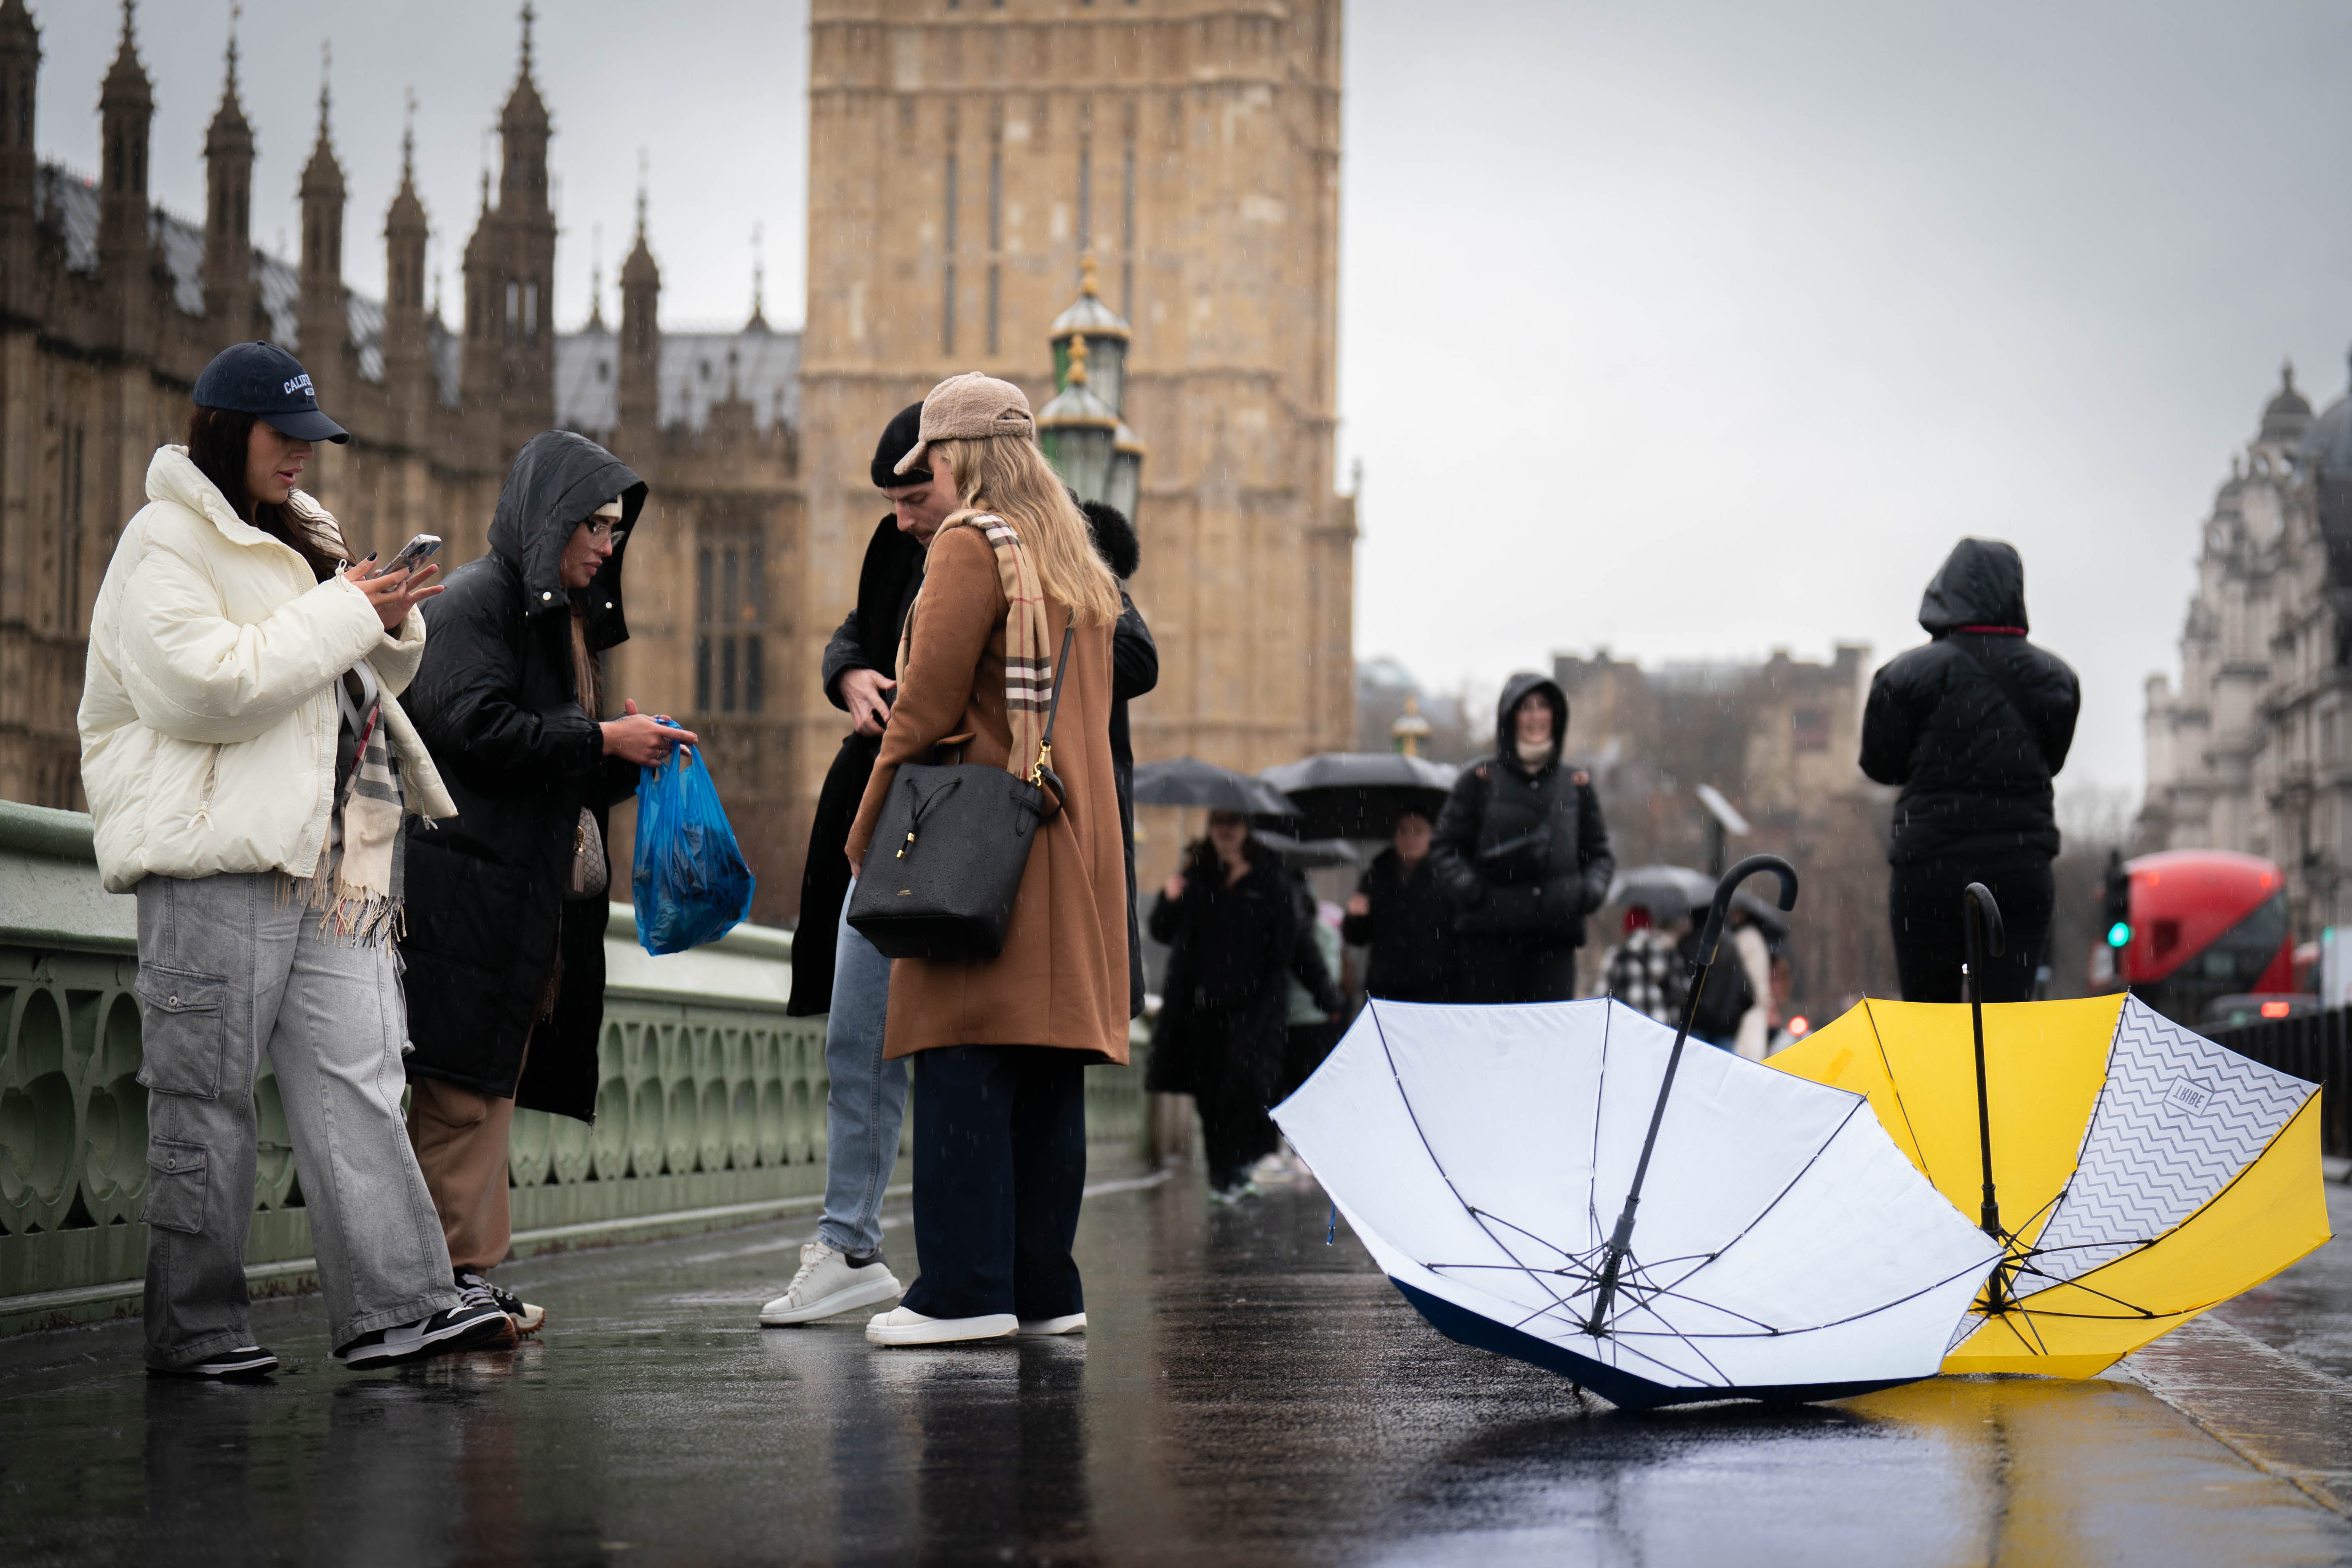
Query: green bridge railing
{"x": 711, "y": 1110}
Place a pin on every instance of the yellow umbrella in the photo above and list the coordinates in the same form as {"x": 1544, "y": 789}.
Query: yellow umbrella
{"x": 2143, "y": 1172}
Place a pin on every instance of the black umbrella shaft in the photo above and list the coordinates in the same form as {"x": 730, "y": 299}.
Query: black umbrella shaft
{"x": 1621, "y": 1241}
{"x": 1991, "y": 1216}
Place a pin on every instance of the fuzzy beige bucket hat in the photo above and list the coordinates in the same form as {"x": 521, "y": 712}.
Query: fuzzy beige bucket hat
{"x": 970, "y": 408}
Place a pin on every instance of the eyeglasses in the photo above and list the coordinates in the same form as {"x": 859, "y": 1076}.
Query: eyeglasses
{"x": 606, "y": 527}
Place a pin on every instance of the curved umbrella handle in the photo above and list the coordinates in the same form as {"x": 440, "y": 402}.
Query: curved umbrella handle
{"x": 1712, "y": 933}
{"x": 1982, "y": 916}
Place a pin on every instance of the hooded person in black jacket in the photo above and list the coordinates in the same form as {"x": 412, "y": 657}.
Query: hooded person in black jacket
{"x": 1521, "y": 850}
{"x": 1134, "y": 672}
{"x": 508, "y": 901}
{"x": 1972, "y": 726}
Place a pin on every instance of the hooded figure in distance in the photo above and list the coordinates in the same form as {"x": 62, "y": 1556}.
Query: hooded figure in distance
{"x": 507, "y": 903}
{"x": 1972, "y": 727}
{"x": 1522, "y": 852}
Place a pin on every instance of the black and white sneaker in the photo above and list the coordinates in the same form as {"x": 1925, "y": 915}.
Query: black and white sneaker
{"x": 476, "y": 1323}
{"x": 527, "y": 1318}
{"x": 246, "y": 1362}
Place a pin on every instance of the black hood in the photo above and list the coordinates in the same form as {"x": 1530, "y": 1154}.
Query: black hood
{"x": 1506, "y": 739}
{"x": 1115, "y": 539}
{"x": 1982, "y": 583}
{"x": 557, "y": 480}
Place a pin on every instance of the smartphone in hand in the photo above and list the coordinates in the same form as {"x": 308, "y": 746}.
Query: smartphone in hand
{"x": 413, "y": 555}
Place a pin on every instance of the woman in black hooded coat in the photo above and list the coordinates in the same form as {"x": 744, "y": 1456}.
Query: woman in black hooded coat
{"x": 1972, "y": 727}
{"x": 1521, "y": 850}
{"x": 522, "y": 751}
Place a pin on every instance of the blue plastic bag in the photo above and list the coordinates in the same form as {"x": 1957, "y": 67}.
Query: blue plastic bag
{"x": 690, "y": 885}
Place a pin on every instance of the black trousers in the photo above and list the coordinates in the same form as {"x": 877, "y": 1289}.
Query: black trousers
{"x": 1923, "y": 900}
{"x": 1497, "y": 969}
{"x": 1000, "y": 1167}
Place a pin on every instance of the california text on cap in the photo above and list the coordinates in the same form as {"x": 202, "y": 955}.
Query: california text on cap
{"x": 971, "y": 407}
{"x": 263, "y": 380}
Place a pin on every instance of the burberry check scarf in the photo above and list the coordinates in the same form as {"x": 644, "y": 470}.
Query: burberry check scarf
{"x": 1028, "y": 644}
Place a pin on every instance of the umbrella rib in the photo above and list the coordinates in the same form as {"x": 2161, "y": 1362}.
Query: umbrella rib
{"x": 1894, "y": 1088}
{"x": 1437, "y": 1164}
{"x": 2216, "y": 1196}
{"x": 1852, "y": 1111}
{"x": 1599, "y": 1089}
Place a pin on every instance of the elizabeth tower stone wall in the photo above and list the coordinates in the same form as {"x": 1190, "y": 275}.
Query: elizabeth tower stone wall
{"x": 965, "y": 158}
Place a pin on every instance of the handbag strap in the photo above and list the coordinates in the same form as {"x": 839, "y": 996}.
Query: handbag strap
{"x": 1054, "y": 708}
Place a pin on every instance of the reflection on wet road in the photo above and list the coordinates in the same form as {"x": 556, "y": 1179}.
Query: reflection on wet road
{"x": 1247, "y": 1395}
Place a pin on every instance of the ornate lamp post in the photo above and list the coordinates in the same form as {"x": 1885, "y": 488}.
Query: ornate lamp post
{"x": 1095, "y": 454}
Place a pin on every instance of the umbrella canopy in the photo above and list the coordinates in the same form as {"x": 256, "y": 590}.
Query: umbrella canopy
{"x": 1308, "y": 855}
{"x": 1360, "y": 795}
{"x": 2143, "y": 1172}
{"x": 1786, "y": 1250}
{"x": 1670, "y": 890}
{"x": 1186, "y": 781}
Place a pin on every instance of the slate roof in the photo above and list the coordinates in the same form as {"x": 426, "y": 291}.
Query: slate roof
{"x": 69, "y": 202}
{"x": 697, "y": 370}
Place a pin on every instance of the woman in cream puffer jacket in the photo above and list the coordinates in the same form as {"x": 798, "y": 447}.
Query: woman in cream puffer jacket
{"x": 208, "y": 714}
{"x": 249, "y": 766}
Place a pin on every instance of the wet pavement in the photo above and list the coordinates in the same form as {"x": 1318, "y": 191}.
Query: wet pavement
{"x": 1247, "y": 1395}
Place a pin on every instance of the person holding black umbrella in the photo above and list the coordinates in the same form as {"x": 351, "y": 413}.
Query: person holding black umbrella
{"x": 1402, "y": 913}
{"x": 1231, "y": 923}
{"x": 1521, "y": 850}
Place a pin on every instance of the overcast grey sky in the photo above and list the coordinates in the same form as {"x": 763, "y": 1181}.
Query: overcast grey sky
{"x": 1692, "y": 327}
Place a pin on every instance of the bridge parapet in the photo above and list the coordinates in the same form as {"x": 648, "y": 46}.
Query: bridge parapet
{"x": 709, "y": 1109}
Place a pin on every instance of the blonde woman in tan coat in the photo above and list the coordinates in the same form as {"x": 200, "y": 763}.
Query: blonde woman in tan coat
{"x": 1000, "y": 1046}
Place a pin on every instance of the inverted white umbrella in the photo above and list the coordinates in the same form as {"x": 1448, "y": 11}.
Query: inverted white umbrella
{"x": 1785, "y": 1249}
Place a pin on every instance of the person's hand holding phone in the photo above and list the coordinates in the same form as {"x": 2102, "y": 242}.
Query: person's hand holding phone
{"x": 645, "y": 739}
{"x": 394, "y": 594}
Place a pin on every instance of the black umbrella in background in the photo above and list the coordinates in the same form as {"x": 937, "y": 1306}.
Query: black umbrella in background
{"x": 1308, "y": 855}
{"x": 1360, "y": 795}
{"x": 1186, "y": 781}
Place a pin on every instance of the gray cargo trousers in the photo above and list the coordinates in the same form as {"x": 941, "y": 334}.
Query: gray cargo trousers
{"x": 228, "y": 968}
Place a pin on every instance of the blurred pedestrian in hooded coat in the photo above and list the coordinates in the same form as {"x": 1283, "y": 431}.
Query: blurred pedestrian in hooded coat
{"x": 1402, "y": 913}
{"x": 1134, "y": 672}
{"x": 1522, "y": 852}
{"x": 507, "y": 902}
{"x": 1972, "y": 726}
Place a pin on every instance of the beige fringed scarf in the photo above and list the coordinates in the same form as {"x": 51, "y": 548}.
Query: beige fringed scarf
{"x": 1028, "y": 642}
{"x": 359, "y": 888}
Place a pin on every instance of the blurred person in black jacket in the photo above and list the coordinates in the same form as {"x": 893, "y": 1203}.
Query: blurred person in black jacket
{"x": 1521, "y": 850}
{"x": 1402, "y": 913}
{"x": 1230, "y": 919}
{"x": 1972, "y": 727}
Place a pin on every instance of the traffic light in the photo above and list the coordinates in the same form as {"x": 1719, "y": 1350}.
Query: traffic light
{"x": 2116, "y": 902}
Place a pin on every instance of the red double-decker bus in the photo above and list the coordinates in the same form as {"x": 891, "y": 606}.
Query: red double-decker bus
{"x": 2205, "y": 924}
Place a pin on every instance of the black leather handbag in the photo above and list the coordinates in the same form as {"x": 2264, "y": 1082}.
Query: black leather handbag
{"x": 958, "y": 838}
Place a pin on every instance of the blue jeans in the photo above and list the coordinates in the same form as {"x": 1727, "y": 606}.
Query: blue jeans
{"x": 865, "y": 1103}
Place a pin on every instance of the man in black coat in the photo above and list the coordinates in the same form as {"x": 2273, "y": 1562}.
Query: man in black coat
{"x": 1972, "y": 726}
{"x": 1521, "y": 850}
{"x": 507, "y": 901}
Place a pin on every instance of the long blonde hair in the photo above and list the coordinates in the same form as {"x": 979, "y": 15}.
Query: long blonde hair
{"x": 1009, "y": 477}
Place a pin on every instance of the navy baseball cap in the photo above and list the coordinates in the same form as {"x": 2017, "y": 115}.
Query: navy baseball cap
{"x": 263, "y": 379}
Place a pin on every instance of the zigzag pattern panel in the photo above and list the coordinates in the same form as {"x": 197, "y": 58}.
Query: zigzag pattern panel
{"x": 2179, "y": 1119}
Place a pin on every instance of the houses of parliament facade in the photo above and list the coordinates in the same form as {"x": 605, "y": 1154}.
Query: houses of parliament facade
{"x": 965, "y": 156}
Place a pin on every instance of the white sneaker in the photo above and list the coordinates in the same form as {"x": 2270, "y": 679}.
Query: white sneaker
{"x": 827, "y": 1284}
{"x": 1272, "y": 1171}
{"x": 904, "y": 1326}
{"x": 1045, "y": 1328}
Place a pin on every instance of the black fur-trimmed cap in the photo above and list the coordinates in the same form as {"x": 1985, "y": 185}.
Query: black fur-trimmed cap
{"x": 1115, "y": 539}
